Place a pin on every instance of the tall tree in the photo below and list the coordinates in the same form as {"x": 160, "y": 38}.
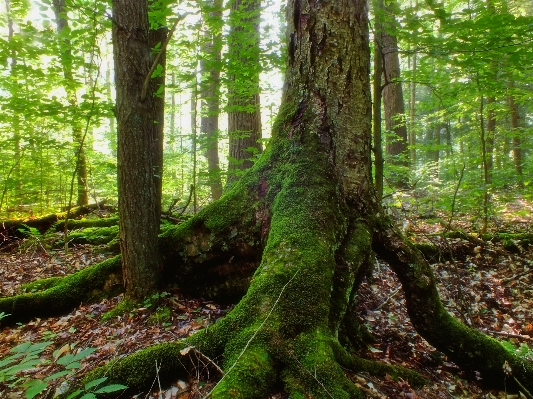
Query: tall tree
{"x": 516, "y": 126}
{"x": 210, "y": 64}
{"x": 395, "y": 123}
{"x": 243, "y": 69}
{"x": 139, "y": 111}
{"x": 70, "y": 88}
{"x": 377, "y": 96}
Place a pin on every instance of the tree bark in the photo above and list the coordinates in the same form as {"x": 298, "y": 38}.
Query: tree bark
{"x": 243, "y": 69}
{"x": 140, "y": 145}
{"x": 377, "y": 90}
{"x": 516, "y": 126}
{"x": 395, "y": 122}
{"x": 210, "y": 66}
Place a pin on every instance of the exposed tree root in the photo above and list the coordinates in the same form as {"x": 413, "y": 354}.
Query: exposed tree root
{"x": 468, "y": 348}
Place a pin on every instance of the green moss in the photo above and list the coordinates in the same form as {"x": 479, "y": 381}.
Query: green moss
{"x": 313, "y": 369}
{"x": 252, "y": 376}
{"x": 88, "y": 223}
{"x": 40, "y": 285}
{"x": 123, "y": 307}
{"x": 138, "y": 371}
{"x": 94, "y": 235}
{"x": 378, "y": 369}
{"x": 86, "y": 285}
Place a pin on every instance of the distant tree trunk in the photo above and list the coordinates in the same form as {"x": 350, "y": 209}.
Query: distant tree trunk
{"x": 140, "y": 145}
{"x": 243, "y": 68}
{"x": 112, "y": 134}
{"x": 77, "y": 133}
{"x": 412, "y": 114}
{"x": 377, "y": 90}
{"x": 210, "y": 65}
{"x": 436, "y": 142}
{"x": 15, "y": 124}
{"x": 395, "y": 123}
{"x": 489, "y": 138}
{"x": 516, "y": 126}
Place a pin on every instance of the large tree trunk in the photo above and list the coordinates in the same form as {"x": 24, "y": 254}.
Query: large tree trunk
{"x": 243, "y": 68}
{"x": 140, "y": 145}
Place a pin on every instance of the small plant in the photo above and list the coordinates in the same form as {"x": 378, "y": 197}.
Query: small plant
{"x": 26, "y": 356}
{"x": 523, "y": 351}
{"x": 34, "y": 238}
{"x": 3, "y": 315}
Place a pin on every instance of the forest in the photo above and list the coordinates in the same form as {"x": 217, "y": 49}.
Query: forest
{"x": 282, "y": 199}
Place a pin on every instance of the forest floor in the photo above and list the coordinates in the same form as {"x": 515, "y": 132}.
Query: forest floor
{"x": 482, "y": 284}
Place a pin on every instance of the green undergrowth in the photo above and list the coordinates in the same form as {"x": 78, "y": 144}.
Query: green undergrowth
{"x": 126, "y": 306}
{"x": 17, "y": 371}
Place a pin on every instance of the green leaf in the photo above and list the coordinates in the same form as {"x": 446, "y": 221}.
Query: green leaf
{"x": 111, "y": 388}
{"x": 74, "y": 394}
{"x": 36, "y": 389}
{"x": 89, "y": 395}
{"x": 509, "y": 346}
{"x": 57, "y": 375}
{"x": 73, "y": 365}
{"x": 94, "y": 383}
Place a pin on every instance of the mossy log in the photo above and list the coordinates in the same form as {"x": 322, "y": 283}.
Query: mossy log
{"x": 54, "y": 296}
{"x": 93, "y": 235}
{"x": 10, "y": 228}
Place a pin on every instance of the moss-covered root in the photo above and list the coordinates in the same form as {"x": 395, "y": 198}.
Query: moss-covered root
{"x": 166, "y": 362}
{"x": 63, "y": 295}
{"x": 313, "y": 371}
{"x": 378, "y": 369}
{"x": 252, "y": 376}
{"x": 468, "y": 348}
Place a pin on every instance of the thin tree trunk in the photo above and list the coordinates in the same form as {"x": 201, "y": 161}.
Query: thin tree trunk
{"x": 210, "y": 87}
{"x": 15, "y": 125}
{"x": 412, "y": 114}
{"x": 395, "y": 123}
{"x": 377, "y": 89}
{"x": 244, "y": 113}
{"x": 77, "y": 135}
{"x": 490, "y": 131}
{"x": 517, "y": 137}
